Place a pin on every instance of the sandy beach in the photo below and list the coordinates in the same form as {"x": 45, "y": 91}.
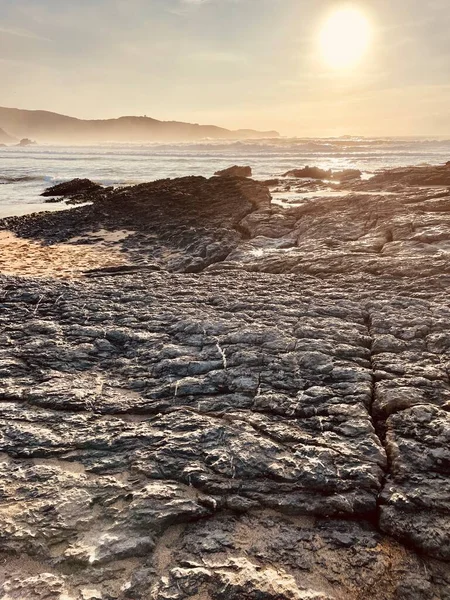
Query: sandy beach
{"x": 27, "y": 258}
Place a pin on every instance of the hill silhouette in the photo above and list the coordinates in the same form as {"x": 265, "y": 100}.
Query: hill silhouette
{"x": 52, "y": 127}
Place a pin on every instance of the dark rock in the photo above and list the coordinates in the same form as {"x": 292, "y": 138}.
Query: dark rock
{"x": 414, "y": 176}
{"x": 271, "y": 182}
{"x": 309, "y": 173}
{"x": 71, "y": 188}
{"x": 53, "y": 200}
{"x": 347, "y": 175}
{"x": 235, "y": 172}
{"x": 317, "y": 173}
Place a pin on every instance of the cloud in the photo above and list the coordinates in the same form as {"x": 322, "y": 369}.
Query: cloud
{"x": 218, "y": 57}
{"x": 23, "y": 33}
{"x": 184, "y": 5}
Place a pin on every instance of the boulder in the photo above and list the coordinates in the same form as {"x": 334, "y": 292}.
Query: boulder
{"x": 235, "y": 172}
{"x": 271, "y": 182}
{"x": 73, "y": 187}
{"x": 309, "y": 173}
{"x": 347, "y": 175}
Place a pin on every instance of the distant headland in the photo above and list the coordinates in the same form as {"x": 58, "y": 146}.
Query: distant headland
{"x": 52, "y": 127}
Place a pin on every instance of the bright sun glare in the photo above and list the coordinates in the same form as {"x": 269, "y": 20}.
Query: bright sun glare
{"x": 345, "y": 38}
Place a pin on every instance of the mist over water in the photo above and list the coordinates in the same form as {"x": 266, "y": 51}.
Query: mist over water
{"x": 26, "y": 172}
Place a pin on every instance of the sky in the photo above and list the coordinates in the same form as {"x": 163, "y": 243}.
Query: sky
{"x": 234, "y": 63}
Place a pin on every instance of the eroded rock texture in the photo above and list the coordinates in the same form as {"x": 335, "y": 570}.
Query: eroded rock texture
{"x": 252, "y": 431}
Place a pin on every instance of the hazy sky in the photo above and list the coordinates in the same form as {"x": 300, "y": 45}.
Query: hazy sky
{"x": 235, "y": 63}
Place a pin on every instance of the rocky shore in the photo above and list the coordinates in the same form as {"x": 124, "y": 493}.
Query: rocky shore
{"x": 250, "y": 401}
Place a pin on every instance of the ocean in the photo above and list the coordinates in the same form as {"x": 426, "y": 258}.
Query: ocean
{"x": 26, "y": 172}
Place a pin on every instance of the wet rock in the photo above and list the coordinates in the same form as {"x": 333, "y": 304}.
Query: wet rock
{"x": 271, "y": 182}
{"x": 309, "y": 173}
{"x": 376, "y": 233}
{"x": 317, "y": 173}
{"x": 347, "y": 175}
{"x": 235, "y": 172}
{"x": 72, "y": 188}
{"x": 414, "y": 176}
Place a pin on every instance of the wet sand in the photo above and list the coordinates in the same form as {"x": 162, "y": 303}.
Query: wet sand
{"x": 27, "y": 258}
{"x": 19, "y": 210}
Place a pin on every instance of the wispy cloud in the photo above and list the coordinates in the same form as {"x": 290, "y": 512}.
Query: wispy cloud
{"x": 23, "y": 33}
{"x": 218, "y": 57}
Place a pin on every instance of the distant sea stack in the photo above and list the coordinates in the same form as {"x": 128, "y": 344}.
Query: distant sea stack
{"x": 26, "y": 142}
{"x": 52, "y": 127}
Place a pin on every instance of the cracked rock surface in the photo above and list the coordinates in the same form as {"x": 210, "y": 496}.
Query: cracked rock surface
{"x": 248, "y": 431}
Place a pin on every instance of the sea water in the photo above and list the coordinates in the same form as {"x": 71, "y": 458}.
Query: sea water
{"x": 26, "y": 172}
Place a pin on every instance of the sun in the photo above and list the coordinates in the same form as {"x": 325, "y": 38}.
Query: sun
{"x": 345, "y": 38}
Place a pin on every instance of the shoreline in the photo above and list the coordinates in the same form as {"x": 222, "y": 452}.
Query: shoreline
{"x": 22, "y": 210}
{"x": 250, "y": 226}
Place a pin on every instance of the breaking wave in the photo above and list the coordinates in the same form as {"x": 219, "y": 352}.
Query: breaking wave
{"x": 20, "y": 179}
